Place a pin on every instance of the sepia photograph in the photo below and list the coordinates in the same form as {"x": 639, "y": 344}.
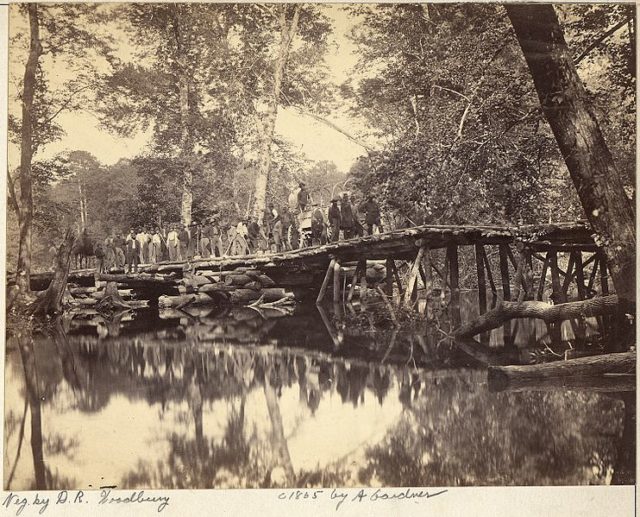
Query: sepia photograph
{"x": 319, "y": 246}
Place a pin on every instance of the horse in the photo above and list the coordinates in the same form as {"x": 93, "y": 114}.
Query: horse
{"x": 84, "y": 249}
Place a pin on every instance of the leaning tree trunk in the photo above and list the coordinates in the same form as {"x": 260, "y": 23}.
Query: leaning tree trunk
{"x": 505, "y": 311}
{"x": 50, "y": 302}
{"x": 576, "y": 129}
{"x": 266, "y": 123}
{"x": 23, "y": 270}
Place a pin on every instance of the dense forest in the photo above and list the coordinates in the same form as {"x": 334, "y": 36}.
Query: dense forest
{"x": 449, "y": 121}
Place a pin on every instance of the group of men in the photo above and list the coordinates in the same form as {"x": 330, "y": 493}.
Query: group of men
{"x": 346, "y": 218}
{"x": 279, "y": 231}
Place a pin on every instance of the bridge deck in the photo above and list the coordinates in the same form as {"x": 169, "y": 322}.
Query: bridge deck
{"x": 398, "y": 244}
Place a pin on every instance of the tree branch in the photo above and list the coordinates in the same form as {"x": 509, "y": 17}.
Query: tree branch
{"x": 334, "y": 127}
{"x": 600, "y": 39}
{"x": 65, "y": 103}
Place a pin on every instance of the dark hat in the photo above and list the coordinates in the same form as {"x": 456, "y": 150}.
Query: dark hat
{"x": 335, "y": 200}
{"x": 301, "y": 184}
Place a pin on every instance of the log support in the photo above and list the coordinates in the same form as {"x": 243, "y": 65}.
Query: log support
{"x": 336, "y": 281}
{"x": 556, "y": 288}
{"x": 325, "y": 282}
{"x": 413, "y": 277}
{"x": 504, "y": 271}
{"x": 482, "y": 284}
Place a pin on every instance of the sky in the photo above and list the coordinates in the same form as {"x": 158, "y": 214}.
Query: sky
{"x": 316, "y": 140}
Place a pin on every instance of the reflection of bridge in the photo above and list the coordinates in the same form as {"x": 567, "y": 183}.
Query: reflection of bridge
{"x": 432, "y": 250}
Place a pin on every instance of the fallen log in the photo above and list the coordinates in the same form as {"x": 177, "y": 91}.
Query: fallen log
{"x": 607, "y": 383}
{"x": 271, "y": 294}
{"x": 265, "y": 281}
{"x": 505, "y": 311}
{"x": 237, "y": 279}
{"x": 139, "y": 279}
{"x": 185, "y": 300}
{"x": 499, "y": 377}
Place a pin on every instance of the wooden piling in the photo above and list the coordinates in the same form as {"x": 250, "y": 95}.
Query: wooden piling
{"x": 354, "y": 282}
{"x": 363, "y": 279}
{"x": 568, "y": 277}
{"x": 325, "y": 282}
{"x": 454, "y": 270}
{"x": 556, "y": 288}
{"x": 428, "y": 278}
{"x": 336, "y": 281}
{"x": 389, "y": 279}
{"x": 482, "y": 284}
{"x": 582, "y": 294}
{"x": 504, "y": 270}
{"x": 487, "y": 264}
{"x": 543, "y": 279}
{"x": 594, "y": 274}
{"x": 413, "y": 277}
{"x": 604, "y": 277}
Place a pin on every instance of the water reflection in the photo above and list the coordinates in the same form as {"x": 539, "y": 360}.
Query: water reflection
{"x": 202, "y": 399}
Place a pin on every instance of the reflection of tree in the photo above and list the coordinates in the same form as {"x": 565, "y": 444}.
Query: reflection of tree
{"x": 459, "y": 434}
{"x": 279, "y": 442}
{"x": 25, "y": 345}
{"x": 20, "y": 440}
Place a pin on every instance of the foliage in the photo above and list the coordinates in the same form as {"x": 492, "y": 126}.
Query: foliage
{"x": 448, "y": 90}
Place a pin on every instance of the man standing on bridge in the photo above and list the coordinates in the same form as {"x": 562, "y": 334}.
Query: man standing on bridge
{"x": 372, "y": 215}
{"x": 334, "y": 220}
{"x": 346, "y": 217}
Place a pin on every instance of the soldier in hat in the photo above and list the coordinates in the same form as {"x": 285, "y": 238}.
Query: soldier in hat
{"x": 334, "y": 220}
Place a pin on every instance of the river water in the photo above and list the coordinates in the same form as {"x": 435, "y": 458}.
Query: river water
{"x": 207, "y": 399}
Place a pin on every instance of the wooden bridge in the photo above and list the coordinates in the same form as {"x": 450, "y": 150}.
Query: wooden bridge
{"x": 433, "y": 255}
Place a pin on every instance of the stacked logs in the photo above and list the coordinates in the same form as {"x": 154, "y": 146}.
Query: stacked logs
{"x": 240, "y": 286}
{"x": 92, "y": 296}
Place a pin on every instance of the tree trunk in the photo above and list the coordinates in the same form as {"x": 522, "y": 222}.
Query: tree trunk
{"x": 23, "y": 271}
{"x": 267, "y": 122}
{"x": 576, "y": 129}
{"x": 50, "y": 302}
{"x": 505, "y": 311}
{"x": 185, "y": 133}
{"x": 624, "y": 363}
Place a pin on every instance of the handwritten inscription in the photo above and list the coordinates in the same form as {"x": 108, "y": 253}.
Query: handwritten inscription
{"x": 339, "y": 497}
{"x": 18, "y": 503}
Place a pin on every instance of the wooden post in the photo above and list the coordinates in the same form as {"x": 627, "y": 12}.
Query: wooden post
{"x": 389, "y": 279}
{"x": 592, "y": 277}
{"x": 336, "y": 281}
{"x": 413, "y": 277}
{"x": 579, "y": 275}
{"x": 604, "y": 278}
{"x": 494, "y": 290}
{"x": 396, "y": 276}
{"x": 363, "y": 279}
{"x": 325, "y": 282}
{"x": 482, "y": 284}
{"x": 504, "y": 271}
{"x": 428, "y": 277}
{"x": 556, "y": 288}
{"x": 454, "y": 270}
{"x": 568, "y": 277}
{"x": 543, "y": 279}
{"x": 354, "y": 282}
